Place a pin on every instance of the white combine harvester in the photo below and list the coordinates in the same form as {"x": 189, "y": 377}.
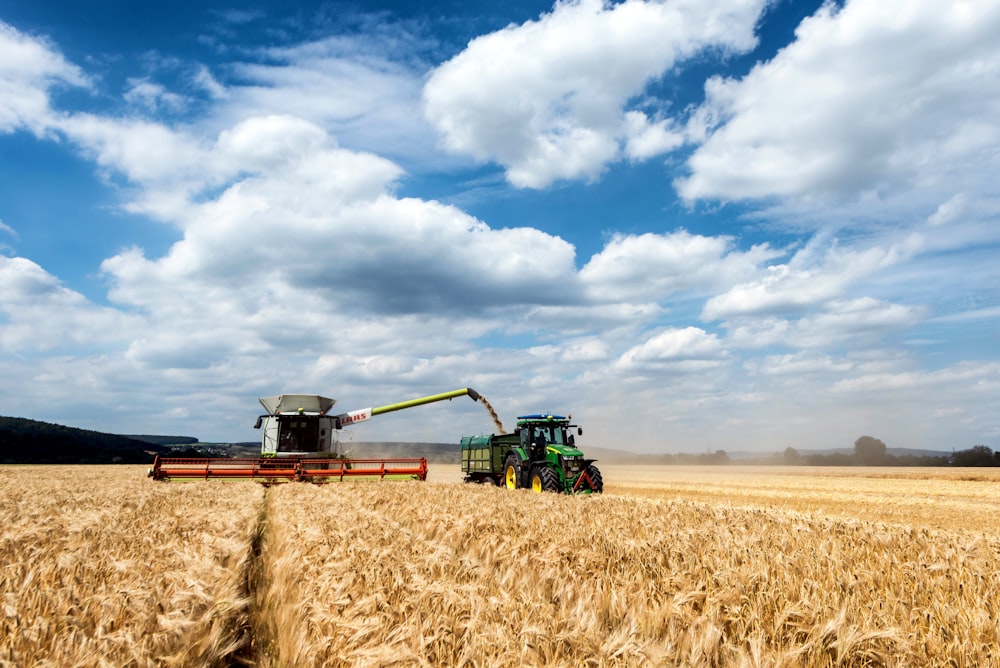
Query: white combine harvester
{"x": 300, "y": 442}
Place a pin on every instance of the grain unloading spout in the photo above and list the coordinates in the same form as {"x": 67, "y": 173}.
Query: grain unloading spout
{"x": 365, "y": 414}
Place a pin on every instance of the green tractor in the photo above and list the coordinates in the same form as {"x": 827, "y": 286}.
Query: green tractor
{"x": 540, "y": 455}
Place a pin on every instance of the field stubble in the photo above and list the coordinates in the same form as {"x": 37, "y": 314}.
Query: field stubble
{"x": 437, "y": 573}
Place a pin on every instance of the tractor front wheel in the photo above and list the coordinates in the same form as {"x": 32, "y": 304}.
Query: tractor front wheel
{"x": 597, "y": 482}
{"x": 544, "y": 479}
{"x": 511, "y": 473}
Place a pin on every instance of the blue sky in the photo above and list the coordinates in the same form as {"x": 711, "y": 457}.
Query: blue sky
{"x": 695, "y": 225}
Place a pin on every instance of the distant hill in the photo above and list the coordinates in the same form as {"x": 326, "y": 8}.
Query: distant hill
{"x": 24, "y": 441}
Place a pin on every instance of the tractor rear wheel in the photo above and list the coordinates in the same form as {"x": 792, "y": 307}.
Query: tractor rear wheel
{"x": 595, "y": 478}
{"x": 544, "y": 479}
{"x": 511, "y": 473}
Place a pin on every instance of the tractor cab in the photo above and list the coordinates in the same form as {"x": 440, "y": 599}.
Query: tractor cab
{"x": 539, "y": 433}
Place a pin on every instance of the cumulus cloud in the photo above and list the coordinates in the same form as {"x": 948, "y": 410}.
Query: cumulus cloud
{"x": 38, "y": 313}
{"x": 654, "y": 266}
{"x": 646, "y": 139}
{"x": 29, "y": 67}
{"x": 870, "y": 97}
{"x": 310, "y": 231}
{"x": 820, "y": 271}
{"x": 147, "y": 153}
{"x": 549, "y": 99}
{"x": 681, "y": 349}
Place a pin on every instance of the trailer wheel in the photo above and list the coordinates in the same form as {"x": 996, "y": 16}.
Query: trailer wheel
{"x": 595, "y": 477}
{"x": 511, "y": 473}
{"x": 544, "y": 479}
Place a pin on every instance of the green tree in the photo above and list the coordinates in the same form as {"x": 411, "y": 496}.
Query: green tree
{"x": 869, "y": 451}
{"x": 792, "y": 456}
{"x": 977, "y": 455}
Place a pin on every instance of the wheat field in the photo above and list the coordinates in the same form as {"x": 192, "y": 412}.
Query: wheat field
{"x": 671, "y": 566}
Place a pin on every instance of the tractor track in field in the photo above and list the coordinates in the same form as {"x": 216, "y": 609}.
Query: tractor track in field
{"x": 249, "y": 637}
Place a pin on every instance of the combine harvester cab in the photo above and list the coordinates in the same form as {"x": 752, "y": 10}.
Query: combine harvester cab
{"x": 299, "y": 442}
{"x": 540, "y": 455}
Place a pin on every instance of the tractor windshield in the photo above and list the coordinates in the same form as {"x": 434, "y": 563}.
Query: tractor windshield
{"x": 553, "y": 435}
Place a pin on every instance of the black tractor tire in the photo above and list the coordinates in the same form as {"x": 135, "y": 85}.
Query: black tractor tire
{"x": 512, "y": 475}
{"x": 595, "y": 477}
{"x": 544, "y": 479}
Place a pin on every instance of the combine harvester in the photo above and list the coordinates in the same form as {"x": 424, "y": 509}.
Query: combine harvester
{"x": 300, "y": 443}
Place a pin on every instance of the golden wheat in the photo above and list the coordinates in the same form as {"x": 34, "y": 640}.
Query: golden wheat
{"x": 676, "y": 567}
{"x": 442, "y": 574}
{"x": 944, "y": 498}
{"x": 102, "y": 567}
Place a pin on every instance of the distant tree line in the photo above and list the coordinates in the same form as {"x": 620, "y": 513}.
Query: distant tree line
{"x": 868, "y": 451}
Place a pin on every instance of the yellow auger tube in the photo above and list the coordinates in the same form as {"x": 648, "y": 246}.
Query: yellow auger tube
{"x": 426, "y": 400}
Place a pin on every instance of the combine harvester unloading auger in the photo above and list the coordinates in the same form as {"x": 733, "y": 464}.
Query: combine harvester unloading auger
{"x": 300, "y": 443}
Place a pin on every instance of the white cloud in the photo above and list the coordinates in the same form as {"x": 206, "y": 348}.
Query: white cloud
{"x": 988, "y": 313}
{"x": 797, "y": 365}
{"x": 654, "y": 266}
{"x": 547, "y": 99}
{"x": 688, "y": 344}
{"x": 38, "y": 313}
{"x": 7, "y": 229}
{"x": 29, "y": 68}
{"x": 586, "y": 350}
{"x": 982, "y": 379}
{"x": 646, "y": 139}
{"x": 146, "y": 153}
{"x": 575, "y": 320}
{"x": 817, "y": 273}
{"x": 152, "y": 96}
{"x": 950, "y": 210}
{"x": 204, "y": 80}
{"x": 869, "y": 98}
{"x": 310, "y": 234}
{"x": 364, "y": 90}
{"x": 860, "y": 321}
